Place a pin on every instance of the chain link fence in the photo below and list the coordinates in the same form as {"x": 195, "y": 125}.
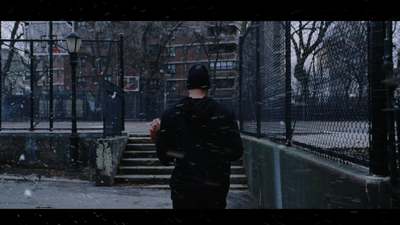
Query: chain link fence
{"x": 395, "y": 158}
{"x": 248, "y": 79}
{"x": 272, "y": 80}
{"x": 328, "y": 78}
{"x": 331, "y": 98}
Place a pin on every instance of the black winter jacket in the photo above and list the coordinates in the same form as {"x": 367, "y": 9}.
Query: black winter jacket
{"x": 202, "y": 138}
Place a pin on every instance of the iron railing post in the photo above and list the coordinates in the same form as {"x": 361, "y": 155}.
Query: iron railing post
{"x": 390, "y": 113}
{"x": 51, "y": 108}
{"x": 1, "y": 83}
{"x": 33, "y": 79}
{"x": 240, "y": 82}
{"x": 378, "y": 131}
{"x": 103, "y": 104}
{"x": 1, "y": 78}
{"x": 288, "y": 85}
{"x": 121, "y": 79}
{"x": 258, "y": 79}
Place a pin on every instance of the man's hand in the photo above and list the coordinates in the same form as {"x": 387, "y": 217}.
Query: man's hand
{"x": 154, "y": 128}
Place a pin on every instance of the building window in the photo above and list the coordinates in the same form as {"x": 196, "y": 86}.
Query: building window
{"x": 224, "y": 83}
{"x": 223, "y": 65}
{"x": 222, "y": 30}
{"x": 222, "y": 48}
{"x": 131, "y": 83}
{"x": 185, "y": 51}
{"x": 171, "y": 52}
{"x": 108, "y": 78}
{"x": 198, "y": 49}
{"x": 171, "y": 68}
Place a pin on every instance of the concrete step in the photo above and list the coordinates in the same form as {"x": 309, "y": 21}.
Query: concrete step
{"x": 166, "y": 186}
{"x": 138, "y": 135}
{"x": 140, "y": 154}
{"x": 155, "y": 162}
{"x": 140, "y": 162}
{"x": 125, "y": 170}
{"x": 164, "y": 179}
{"x": 141, "y": 147}
{"x": 138, "y": 140}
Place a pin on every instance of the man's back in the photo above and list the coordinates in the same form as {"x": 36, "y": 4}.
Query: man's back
{"x": 203, "y": 138}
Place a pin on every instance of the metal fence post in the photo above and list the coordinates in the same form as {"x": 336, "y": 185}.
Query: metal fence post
{"x": 103, "y": 104}
{"x": 32, "y": 84}
{"x": 1, "y": 82}
{"x": 51, "y": 113}
{"x": 390, "y": 113}
{"x": 288, "y": 85}
{"x": 240, "y": 83}
{"x": 258, "y": 81}
{"x": 378, "y": 130}
{"x": 1, "y": 78}
{"x": 121, "y": 79}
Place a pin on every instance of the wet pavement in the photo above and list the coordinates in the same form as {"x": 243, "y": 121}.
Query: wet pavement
{"x": 83, "y": 195}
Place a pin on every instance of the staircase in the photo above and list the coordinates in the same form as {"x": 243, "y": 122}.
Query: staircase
{"x": 140, "y": 167}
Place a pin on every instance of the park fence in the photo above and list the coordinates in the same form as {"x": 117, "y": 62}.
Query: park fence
{"x": 36, "y": 85}
{"x": 328, "y": 87}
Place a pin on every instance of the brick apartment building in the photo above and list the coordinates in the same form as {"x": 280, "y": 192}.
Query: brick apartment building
{"x": 212, "y": 43}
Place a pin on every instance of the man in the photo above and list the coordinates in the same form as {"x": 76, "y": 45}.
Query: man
{"x": 202, "y": 138}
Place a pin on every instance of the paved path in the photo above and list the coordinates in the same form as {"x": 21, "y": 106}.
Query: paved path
{"x": 61, "y": 194}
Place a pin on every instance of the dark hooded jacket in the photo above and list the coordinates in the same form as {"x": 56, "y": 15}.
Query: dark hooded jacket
{"x": 202, "y": 138}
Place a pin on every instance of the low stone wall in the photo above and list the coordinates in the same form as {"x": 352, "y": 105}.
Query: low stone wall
{"x": 35, "y": 151}
{"x": 108, "y": 154}
{"x": 286, "y": 177}
{"x": 48, "y": 154}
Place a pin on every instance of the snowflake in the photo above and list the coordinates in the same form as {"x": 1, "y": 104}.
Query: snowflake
{"x": 28, "y": 193}
{"x": 22, "y": 157}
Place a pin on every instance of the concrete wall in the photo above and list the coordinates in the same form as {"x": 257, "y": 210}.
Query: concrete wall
{"x": 286, "y": 177}
{"x": 108, "y": 154}
{"x": 38, "y": 149}
{"x": 48, "y": 154}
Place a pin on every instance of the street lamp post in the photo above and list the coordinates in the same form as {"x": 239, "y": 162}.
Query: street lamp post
{"x": 73, "y": 45}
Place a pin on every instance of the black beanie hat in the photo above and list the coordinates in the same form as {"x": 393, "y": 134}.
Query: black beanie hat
{"x": 198, "y": 77}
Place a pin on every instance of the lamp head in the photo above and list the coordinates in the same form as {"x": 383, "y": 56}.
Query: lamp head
{"x": 73, "y": 42}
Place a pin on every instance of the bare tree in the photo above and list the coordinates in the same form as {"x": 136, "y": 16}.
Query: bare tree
{"x": 16, "y": 32}
{"x": 155, "y": 38}
{"x": 346, "y": 57}
{"x": 306, "y": 37}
